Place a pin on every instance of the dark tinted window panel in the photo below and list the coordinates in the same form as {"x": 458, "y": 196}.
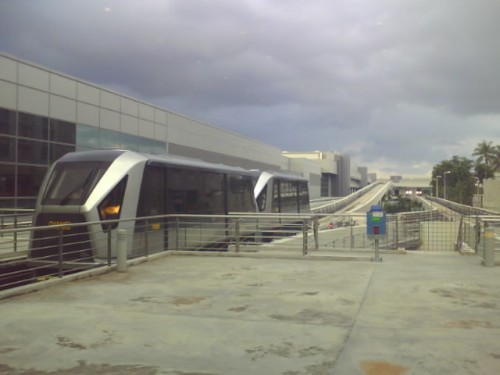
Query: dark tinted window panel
{"x": 304, "y": 197}
{"x": 7, "y": 149}
{"x": 176, "y": 191}
{"x": 7, "y": 180}
{"x": 72, "y": 183}
{"x": 32, "y": 152}
{"x": 29, "y": 179}
{"x": 128, "y": 141}
{"x": 289, "y": 196}
{"x": 62, "y": 131}
{"x": 240, "y": 198}
{"x": 261, "y": 199}
{"x": 276, "y": 206}
{"x": 151, "y": 146}
{"x": 152, "y": 197}
{"x": 191, "y": 191}
{"x": 32, "y": 126}
{"x": 211, "y": 193}
{"x": 7, "y": 122}
{"x": 87, "y": 137}
{"x": 56, "y": 151}
{"x": 109, "y": 139}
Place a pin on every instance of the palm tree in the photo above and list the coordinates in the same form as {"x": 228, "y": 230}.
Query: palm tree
{"x": 496, "y": 159}
{"x": 485, "y": 152}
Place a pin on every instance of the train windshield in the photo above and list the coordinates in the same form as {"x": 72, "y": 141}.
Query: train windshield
{"x": 71, "y": 183}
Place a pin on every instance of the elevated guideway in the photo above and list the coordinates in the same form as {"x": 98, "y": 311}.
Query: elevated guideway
{"x": 335, "y": 212}
{"x": 355, "y": 202}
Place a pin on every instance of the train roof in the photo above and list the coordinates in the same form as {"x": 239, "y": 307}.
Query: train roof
{"x": 111, "y": 155}
{"x": 280, "y": 175}
{"x": 264, "y": 177}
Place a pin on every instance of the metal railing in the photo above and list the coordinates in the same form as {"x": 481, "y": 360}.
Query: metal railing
{"x": 9, "y": 237}
{"x": 58, "y": 250}
{"x": 55, "y": 251}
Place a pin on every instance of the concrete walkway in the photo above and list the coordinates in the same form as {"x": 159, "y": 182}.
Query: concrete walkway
{"x": 204, "y": 315}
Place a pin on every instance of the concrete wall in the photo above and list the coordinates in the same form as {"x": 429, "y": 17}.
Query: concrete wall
{"x": 491, "y": 196}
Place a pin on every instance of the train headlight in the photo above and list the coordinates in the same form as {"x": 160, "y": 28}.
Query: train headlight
{"x": 110, "y": 207}
{"x": 110, "y": 212}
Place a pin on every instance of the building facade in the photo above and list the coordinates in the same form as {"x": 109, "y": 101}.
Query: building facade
{"x": 45, "y": 114}
{"x": 338, "y": 175}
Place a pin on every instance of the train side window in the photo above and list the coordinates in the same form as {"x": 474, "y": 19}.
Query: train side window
{"x": 152, "y": 196}
{"x": 176, "y": 191}
{"x": 276, "y": 203}
{"x": 304, "y": 197}
{"x": 240, "y": 194}
{"x": 71, "y": 183}
{"x": 288, "y": 196}
{"x": 261, "y": 199}
{"x": 211, "y": 196}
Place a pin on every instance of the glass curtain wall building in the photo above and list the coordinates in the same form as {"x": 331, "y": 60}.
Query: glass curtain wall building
{"x": 44, "y": 115}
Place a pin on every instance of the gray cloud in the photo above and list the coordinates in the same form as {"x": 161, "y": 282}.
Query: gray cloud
{"x": 400, "y": 85}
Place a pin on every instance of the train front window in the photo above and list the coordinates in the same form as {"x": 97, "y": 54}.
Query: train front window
{"x": 71, "y": 183}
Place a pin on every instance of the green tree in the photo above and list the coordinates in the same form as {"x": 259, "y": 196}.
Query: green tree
{"x": 483, "y": 171}
{"x": 460, "y": 181}
{"x": 487, "y": 161}
{"x": 496, "y": 159}
{"x": 402, "y": 205}
{"x": 485, "y": 152}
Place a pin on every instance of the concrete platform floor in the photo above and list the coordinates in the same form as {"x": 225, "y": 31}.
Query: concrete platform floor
{"x": 205, "y": 315}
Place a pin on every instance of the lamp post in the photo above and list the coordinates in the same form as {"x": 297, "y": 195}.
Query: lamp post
{"x": 437, "y": 185}
{"x": 444, "y": 174}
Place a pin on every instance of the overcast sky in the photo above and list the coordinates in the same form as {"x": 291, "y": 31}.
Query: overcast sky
{"x": 399, "y": 85}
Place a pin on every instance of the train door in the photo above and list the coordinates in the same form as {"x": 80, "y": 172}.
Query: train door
{"x": 151, "y": 233}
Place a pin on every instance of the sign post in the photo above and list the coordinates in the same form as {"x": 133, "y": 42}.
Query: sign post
{"x": 375, "y": 227}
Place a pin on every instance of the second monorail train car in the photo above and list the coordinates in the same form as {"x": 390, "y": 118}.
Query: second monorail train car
{"x": 281, "y": 193}
{"x": 284, "y": 197}
{"x": 82, "y": 189}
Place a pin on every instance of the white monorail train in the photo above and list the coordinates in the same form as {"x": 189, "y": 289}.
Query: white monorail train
{"x": 281, "y": 193}
{"x": 82, "y": 189}
{"x": 283, "y": 197}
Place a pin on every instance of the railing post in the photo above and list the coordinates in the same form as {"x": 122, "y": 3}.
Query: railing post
{"x": 109, "y": 246}
{"x": 304, "y": 237}
{"x": 352, "y": 234}
{"x": 237, "y": 235}
{"x": 477, "y": 233}
{"x": 397, "y": 232}
{"x": 121, "y": 250}
{"x": 489, "y": 247}
{"x": 177, "y": 232}
{"x": 60, "y": 252}
{"x": 316, "y": 233}
{"x": 15, "y": 234}
{"x": 146, "y": 241}
{"x": 377, "y": 257}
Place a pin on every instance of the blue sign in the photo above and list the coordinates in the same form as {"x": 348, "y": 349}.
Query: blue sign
{"x": 375, "y": 221}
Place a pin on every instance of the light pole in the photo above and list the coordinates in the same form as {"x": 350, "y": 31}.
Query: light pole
{"x": 437, "y": 185}
{"x": 444, "y": 174}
